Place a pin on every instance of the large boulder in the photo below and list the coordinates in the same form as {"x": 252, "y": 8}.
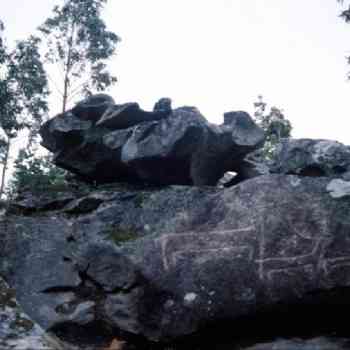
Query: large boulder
{"x": 310, "y": 157}
{"x": 104, "y": 142}
{"x": 164, "y": 263}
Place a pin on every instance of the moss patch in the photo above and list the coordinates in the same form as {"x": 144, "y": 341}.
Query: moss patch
{"x": 139, "y": 199}
{"x": 120, "y": 235}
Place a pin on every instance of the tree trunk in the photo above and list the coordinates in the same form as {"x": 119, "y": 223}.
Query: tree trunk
{"x": 65, "y": 93}
{"x": 4, "y": 169}
{"x": 68, "y": 68}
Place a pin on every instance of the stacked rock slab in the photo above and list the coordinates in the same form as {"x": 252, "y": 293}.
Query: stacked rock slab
{"x": 104, "y": 142}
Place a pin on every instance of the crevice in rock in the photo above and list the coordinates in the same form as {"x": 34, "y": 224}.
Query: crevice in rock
{"x": 59, "y": 289}
{"x": 312, "y": 171}
{"x": 85, "y": 278}
{"x": 125, "y": 290}
{"x": 71, "y": 239}
{"x": 97, "y": 334}
{"x": 67, "y": 259}
{"x": 338, "y": 169}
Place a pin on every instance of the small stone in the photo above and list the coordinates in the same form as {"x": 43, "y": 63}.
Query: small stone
{"x": 190, "y": 297}
{"x": 338, "y": 188}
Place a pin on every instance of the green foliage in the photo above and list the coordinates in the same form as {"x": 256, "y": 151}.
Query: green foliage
{"x": 79, "y": 45}
{"x": 274, "y": 123}
{"x": 37, "y": 174}
{"x": 120, "y": 235}
{"x": 23, "y": 93}
{"x": 345, "y": 14}
{"x": 23, "y": 87}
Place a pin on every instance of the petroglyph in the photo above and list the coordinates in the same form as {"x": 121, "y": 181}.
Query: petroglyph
{"x": 254, "y": 248}
{"x": 314, "y": 258}
{"x": 175, "y": 246}
{"x": 201, "y": 255}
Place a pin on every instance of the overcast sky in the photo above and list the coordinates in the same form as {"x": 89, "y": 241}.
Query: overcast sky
{"x": 220, "y": 54}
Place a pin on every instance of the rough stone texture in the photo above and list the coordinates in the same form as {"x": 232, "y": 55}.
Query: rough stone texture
{"x": 127, "y": 115}
{"x": 320, "y": 343}
{"x": 103, "y": 142}
{"x": 339, "y": 188}
{"x": 164, "y": 263}
{"x": 163, "y": 105}
{"x": 251, "y": 166}
{"x": 93, "y": 107}
{"x": 308, "y": 157}
{"x": 28, "y": 202}
{"x": 17, "y": 330}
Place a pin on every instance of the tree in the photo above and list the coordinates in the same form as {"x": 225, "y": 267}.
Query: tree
{"x": 3, "y": 136}
{"x": 35, "y": 173}
{"x": 23, "y": 93}
{"x": 274, "y": 123}
{"x": 78, "y": 45}
{"x": 345, "y": 15}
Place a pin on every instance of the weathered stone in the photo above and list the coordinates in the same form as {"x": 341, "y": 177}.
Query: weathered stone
{"x": 251, "y": 166}
{"x": 161, "y": 152}
{"x": 161, "y": 147}
{"x": 44, "y": 257}
{"x": 127, "y": 115}
{"x": 224, "y": 148}
{"x": 163, "y": 105}
{"x": 93, "y": 107}
{"x": 307, "y": 157}
{"x": 231, "y": 117}
{"x": 114, "y": 272}
{"x": 17, "y": 330}
{"x": 320, "y": 343}
{"x": 169, "y": 262}
{"x": 87, "y": 204}
{"x": 29, "y": 202}
{"x": 63, "y": 131}
{"x": 339, "y": 188}
{"x": 97, "y": 158}
{"x": 227, "y": 179}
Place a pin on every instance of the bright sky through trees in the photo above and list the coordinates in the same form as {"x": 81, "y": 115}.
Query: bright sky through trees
{"x": 219, "y": 55}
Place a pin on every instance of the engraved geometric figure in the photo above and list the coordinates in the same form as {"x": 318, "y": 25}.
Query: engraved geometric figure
{"x": 237, "y": 244}
{"x": 203, "y": 255}
{"x": 176, "y": 246}
{"x": 314, "y": 259}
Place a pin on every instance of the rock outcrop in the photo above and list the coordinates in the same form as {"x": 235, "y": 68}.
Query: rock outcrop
{"x": 150, "y": 254}
{"x": 104, "y": 142}
{"x": 164, "y": 263}
{"x": 309, "y": 157}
